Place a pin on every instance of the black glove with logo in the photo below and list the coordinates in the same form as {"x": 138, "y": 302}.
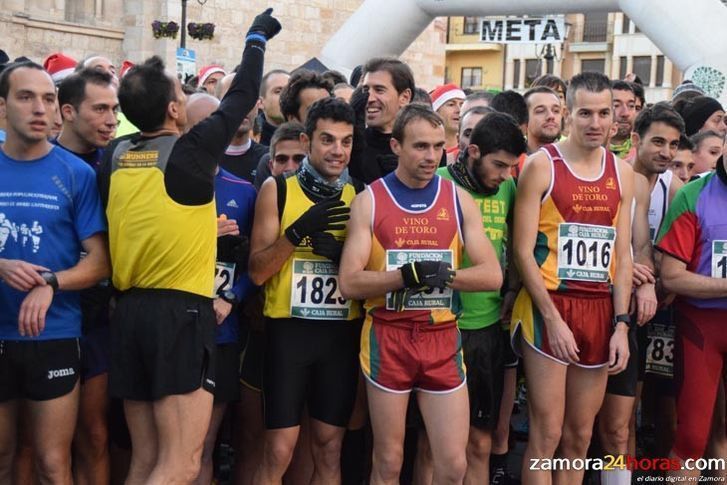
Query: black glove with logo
{"x": 402, "y": 297}
{"x": 265, "y": 24}
{"x": 427, "y": 274}
{"x": 324, "y": 216}
{"x": 326, "y": 245}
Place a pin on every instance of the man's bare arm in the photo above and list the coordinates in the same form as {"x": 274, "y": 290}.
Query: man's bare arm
{"x": 485, "y": 273}
{"x": 532, "y": 184}
{"x": 91, "y": 269}
{"x": 268, "y": 249}
{"x": 356, "y": 282}
{"x": 677, "y": 279}
{"x": 624, "y": 267}
{"x": 641, "y": 234}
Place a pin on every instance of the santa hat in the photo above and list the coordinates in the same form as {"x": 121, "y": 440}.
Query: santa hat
{"x": 125, "y": 66}
{"x": 207, "y": 71}
{"x": 59, "y": 66}
{"x": 442, "y": 94}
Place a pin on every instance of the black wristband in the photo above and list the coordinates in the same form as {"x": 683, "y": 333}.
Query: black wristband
{"x": 624, "y": 317}
{"x": 51, "y": 279}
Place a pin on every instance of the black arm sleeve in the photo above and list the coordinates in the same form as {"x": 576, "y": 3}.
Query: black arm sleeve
{"x": 190, "y": 171}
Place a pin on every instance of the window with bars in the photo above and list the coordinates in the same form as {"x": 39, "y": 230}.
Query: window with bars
{"x": 471, "y": 77}
{"x": 516, "y": 74}
{"x": 642, "y": 68}
{"x": 532, "y": 71}
{"x": 471, "y": 25}
{"x": 594, "y": 65}
{"x": 595, "y": 27}
{"x": 659, "y": 70}
{"x": 625, "y": 24}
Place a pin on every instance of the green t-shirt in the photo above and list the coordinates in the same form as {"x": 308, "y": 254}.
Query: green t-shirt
{"x": 482, "y": 309}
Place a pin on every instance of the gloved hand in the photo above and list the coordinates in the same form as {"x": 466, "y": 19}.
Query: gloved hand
{"x": 402, "y": 297}
{"x": 326, "y": 245}
{"x": 427, "y": 274}
{"x": 324, "y": 216}
{"x": 388, "y": 163}
{"x": 359, "y": 100}
{"x": 265, "y": 24}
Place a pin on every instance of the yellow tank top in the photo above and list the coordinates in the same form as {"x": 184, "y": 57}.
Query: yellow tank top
{"x": 156, "y": 242}
{"x": 307, "y": 285}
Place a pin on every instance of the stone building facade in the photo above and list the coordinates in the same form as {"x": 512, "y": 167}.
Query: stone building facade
{"x": 121, "y": 29}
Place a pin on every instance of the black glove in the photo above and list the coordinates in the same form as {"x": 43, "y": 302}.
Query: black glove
{"x": 326, "y": 245}
{"x": 388, "y": 163}
{"x": 359, "y": 100}
{"x": 402, "y": 297}
{"x": 265, "y": 24}
{"x": 324, "y": 216}
{"x": 427, "y": 274}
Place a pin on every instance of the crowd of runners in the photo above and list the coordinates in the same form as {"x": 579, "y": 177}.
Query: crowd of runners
{"x": 263, "y": 277}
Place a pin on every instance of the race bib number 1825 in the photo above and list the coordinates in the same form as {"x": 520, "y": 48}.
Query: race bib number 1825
{"x": 315, "y": 294}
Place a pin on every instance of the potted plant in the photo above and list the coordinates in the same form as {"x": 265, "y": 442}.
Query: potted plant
{"x": 201, "y": 31}
{"x": 165, "y": 29}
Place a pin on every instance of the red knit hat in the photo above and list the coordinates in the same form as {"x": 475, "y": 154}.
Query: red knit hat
{"x": 59, "y": 66}
{"x": 207, "y": 71}
{"x": 125, "y": 66}
{"x": 442, "y": 94}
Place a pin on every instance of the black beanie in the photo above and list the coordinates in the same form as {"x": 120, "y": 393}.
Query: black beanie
{"x": 697, "y": 111}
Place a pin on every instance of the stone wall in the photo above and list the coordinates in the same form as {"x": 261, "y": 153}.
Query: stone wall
{"x": 122, "y": 30}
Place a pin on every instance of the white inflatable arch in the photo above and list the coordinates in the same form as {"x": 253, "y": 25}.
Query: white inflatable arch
{"x": 692, "y": 34}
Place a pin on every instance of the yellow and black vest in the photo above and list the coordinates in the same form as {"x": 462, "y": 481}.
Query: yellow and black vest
{"x": 156, "y": 242}
{"x": 307, "y": 285}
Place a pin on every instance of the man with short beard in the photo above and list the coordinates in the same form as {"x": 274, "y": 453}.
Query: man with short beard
{"x": 624, "y": 114}
{"x": 544, "y": 117}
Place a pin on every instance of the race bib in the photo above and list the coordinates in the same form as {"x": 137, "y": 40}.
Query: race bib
{"x": 224, "y": 276}
{"x": 660, "y": 350}
{"x": 719, "y": 259}
{"x": 584, "y": 252}
{"x": 431, "y": 299}
{"x": 314, "y": 293}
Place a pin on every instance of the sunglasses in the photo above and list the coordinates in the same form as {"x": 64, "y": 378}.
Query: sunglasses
{"x": 281, "y": 159}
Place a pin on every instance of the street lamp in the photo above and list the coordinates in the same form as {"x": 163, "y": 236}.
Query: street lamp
{"x": 550, "y": 53}
{"x": 183, "y": 40}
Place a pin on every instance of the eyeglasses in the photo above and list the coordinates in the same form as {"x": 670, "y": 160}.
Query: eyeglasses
{"x": 281, "y": 159}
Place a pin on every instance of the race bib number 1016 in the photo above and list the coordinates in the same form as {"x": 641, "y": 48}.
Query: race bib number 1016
{"x": 585, "y": 251}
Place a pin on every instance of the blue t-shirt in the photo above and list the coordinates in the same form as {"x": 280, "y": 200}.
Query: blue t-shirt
{"x": 47, "y": 207}
{"x": 235, "y": 198}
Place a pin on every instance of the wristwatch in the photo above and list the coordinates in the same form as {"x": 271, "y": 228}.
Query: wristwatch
{"x": 624, "y": 317}
{"x": 229, "y": 297}
{"x": 51, "y": 279}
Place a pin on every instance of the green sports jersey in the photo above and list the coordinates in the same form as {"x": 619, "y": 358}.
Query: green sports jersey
{"x": 482, "y": 309}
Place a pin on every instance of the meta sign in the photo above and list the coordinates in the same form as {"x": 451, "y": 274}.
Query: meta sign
{"x": 515, "y": 30}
